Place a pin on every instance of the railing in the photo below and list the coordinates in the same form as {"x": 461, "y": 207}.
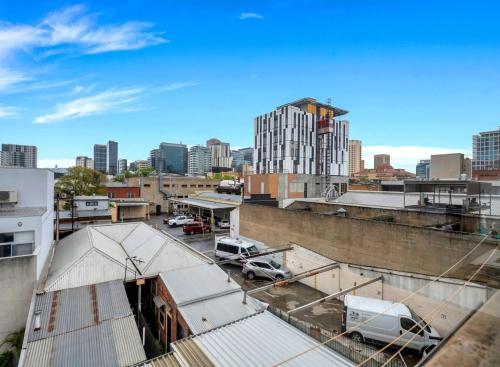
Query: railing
{"x": 354, "y": 351}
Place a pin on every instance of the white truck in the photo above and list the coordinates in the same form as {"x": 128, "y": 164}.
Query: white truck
{"x": 393, "y": 320}
{"x": 179, "y": 220}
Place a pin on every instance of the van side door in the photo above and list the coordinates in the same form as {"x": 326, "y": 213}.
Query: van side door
{"x": 413, "y": 332}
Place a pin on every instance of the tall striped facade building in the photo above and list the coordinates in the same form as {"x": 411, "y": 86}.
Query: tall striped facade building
{"x": 302, "y": 137}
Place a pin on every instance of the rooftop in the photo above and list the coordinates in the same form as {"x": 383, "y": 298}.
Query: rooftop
{"x": 309, "y": 100}
{"x": 86, "y": 326}
{"x": 99, "y": 253}
{"x": 23, "y": 212}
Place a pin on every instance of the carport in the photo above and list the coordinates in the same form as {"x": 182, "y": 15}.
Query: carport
{"x": 209, "y": 208}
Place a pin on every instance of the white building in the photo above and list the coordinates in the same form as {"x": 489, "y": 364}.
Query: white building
{"x": 26, "y": 236}
{"x": 199, "y": 161}
{"x": 302, "y": 137}
{"x": 220, "y": 154}
{"x": 15, "y": 155}
{"x": 85, "y": 162}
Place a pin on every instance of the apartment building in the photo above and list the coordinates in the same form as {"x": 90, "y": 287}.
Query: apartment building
{"x": 302, "y": 137}
{"x": 200, "y": 160}
{"x": 112, "y": 158}
{"x": 100, "y": 157}
{"x": 220, "y": 153}
{"x": 85, "y": 162}
{"x": 14, "y": 155}
{"x": 486, "y": 155}
{"x": 423, "y": 169}
{"x": 381, "y": 160}
{"x": 122, "y": 165}
{"x": 26, "y": 236}
{"x": 355, "y": 161}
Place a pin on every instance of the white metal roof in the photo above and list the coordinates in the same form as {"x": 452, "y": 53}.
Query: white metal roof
{"x": 212, "y": 313}
{"x": 196, "y": 282}
{"x": 205, "y": 203}
{"x": 98, "y": 254}
{"x": 260, "y": 340}
{"x": 376, "y": 306}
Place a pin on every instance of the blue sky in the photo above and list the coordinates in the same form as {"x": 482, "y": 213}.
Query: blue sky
{"x": 418, "y": 77}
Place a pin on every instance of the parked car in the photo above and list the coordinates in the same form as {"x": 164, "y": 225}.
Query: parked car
{"x": 196, "y": 227}
{"x": 179, "y": 220}
{"x": 265, "y": 268}
{"x": 224, "y": 223}
{"x": 393, "y": 321}
{"x": 231, "y": 248}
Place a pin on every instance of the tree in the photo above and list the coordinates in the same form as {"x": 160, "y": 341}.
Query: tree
{"x": 14, "y": 343}
{"x": 144, "y": 172}
{"x": 81, "y": 181}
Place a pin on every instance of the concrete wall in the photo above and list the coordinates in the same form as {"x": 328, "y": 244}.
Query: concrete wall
{"x": 395, "y": 287}
{"x": 363, "y": 242}
{"x": 17, "y": 281}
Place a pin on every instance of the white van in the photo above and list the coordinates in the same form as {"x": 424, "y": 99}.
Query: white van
{"x": 394, "y": 320}
{"x": 231, "y": 248}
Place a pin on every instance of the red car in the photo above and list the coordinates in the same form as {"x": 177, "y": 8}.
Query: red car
{"x": 196, "y": 227}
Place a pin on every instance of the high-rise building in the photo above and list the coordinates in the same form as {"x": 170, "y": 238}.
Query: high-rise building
{"x": 200, "y": 162}
{"x": 486, "y": 154}
{"x": 242, "y": 157}
{"x": 122, "y": 165}
{"x": 221, "y": 155}
{"x": 380, "y": 160}
{"x": 112, "y": 158}
{"x": 354, "y": 156}
{"x": 450, "y": 166}
{"x": 302, "y": 137}
{"x": 423, "y": 169}
{"x": 100, "y": 157}
{"x": 85, "y": 162}
{"x": 14, "y": 155}
{"x": 170, "y": 158}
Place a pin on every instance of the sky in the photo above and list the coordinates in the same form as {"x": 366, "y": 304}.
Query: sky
{"x": 417, "y": 77}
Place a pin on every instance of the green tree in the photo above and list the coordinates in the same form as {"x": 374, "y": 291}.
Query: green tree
{"x": 81, "y": 181}
{"x": 145, "y": 172}
{"x": 14, "y": 343}
{"x": 119, "y": 178}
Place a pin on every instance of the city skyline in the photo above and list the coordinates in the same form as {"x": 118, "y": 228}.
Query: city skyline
{"x": 149, "y": 85}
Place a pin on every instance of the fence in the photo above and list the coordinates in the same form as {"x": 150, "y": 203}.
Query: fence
{"x": 354, "y": 351}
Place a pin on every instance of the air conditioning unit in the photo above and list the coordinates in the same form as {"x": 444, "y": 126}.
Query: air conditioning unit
{"x": 8, "y": 197}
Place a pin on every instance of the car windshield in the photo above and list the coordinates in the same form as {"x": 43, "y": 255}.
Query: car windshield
{"x": 419, "y": 321}
{"x": 275, "y": 264}
{"x": 252, "y": 250}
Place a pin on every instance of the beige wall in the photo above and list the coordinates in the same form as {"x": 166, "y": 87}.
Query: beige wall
{"x": 354, "y": 156}
{"x": 449, "y": 166}
{"x": 181, "y": 187}
{"x": 361, "y": 241}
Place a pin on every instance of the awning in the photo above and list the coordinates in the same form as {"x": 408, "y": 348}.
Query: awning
{"x": 204, "y": 203}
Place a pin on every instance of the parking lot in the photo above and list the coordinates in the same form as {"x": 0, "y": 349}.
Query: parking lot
{"x": 326, "y": 315}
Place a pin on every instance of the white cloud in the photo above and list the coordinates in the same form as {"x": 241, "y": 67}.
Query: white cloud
{"x": 9, "y": 78}
{"x": 52, "y": 163}
{"x": 250, "y": 16}
{"x": 7, "y": 111}
{"x": 109, "y": 101}
{"x": 405, "y": 156}
{"x": 176, "y": 86}
{"x": 71, "y": 30}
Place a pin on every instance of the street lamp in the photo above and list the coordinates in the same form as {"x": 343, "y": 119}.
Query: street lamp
{"x": 72, "y": 211}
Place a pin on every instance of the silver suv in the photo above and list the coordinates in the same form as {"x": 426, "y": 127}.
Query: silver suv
{"x": 267, "y": 268}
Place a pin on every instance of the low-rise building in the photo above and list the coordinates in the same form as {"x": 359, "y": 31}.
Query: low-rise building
{"x": 26, "y": 236}
{"x": 158, "y": 189}
{"x": 383, "y": 172}
{"x": 120, "y": 190}
{"x": 128, "y": 209}
{"x": 85, "y": 210}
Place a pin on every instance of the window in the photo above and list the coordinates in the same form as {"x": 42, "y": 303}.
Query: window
{"x": 192, "y": 185}
{"x": 91, "y": 203}
{"x": 147, "y": 185}
{"x": 166, "y": 185}
{"x": 184, "y": 185}
{"x": 200, "y": 185}
{"x": 162, "y": 317}
{"x": 130, "y": 195}
{"x": 227, "y": 248}
{"x": 6, "y": 237}
{"x": 408, "y": 324}
{"x": 111, "y": 195}
{"x": 262, "y": 265}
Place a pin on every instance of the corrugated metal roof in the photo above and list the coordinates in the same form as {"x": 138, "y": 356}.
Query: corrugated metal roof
{"x": 260, "y": 340}
{"x": 205, "y": 203}
{"x": 98, "y": 254}
{"x": 85, "y": 326}
{"x": 215, "y": 312}
{"x": 196, "y": 282}
{"x": 166, "y": 360}
{"x": 189, "y": 351}
{"x": 72, "y": 309}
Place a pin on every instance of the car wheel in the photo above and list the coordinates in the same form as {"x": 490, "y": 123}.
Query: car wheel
{"x": 250, "y": 275}
{"x": 279, "y": 277}
{"x": 357, "y": 337}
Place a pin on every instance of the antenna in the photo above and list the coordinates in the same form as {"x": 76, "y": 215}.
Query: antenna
{"x": 329, "y": 101}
